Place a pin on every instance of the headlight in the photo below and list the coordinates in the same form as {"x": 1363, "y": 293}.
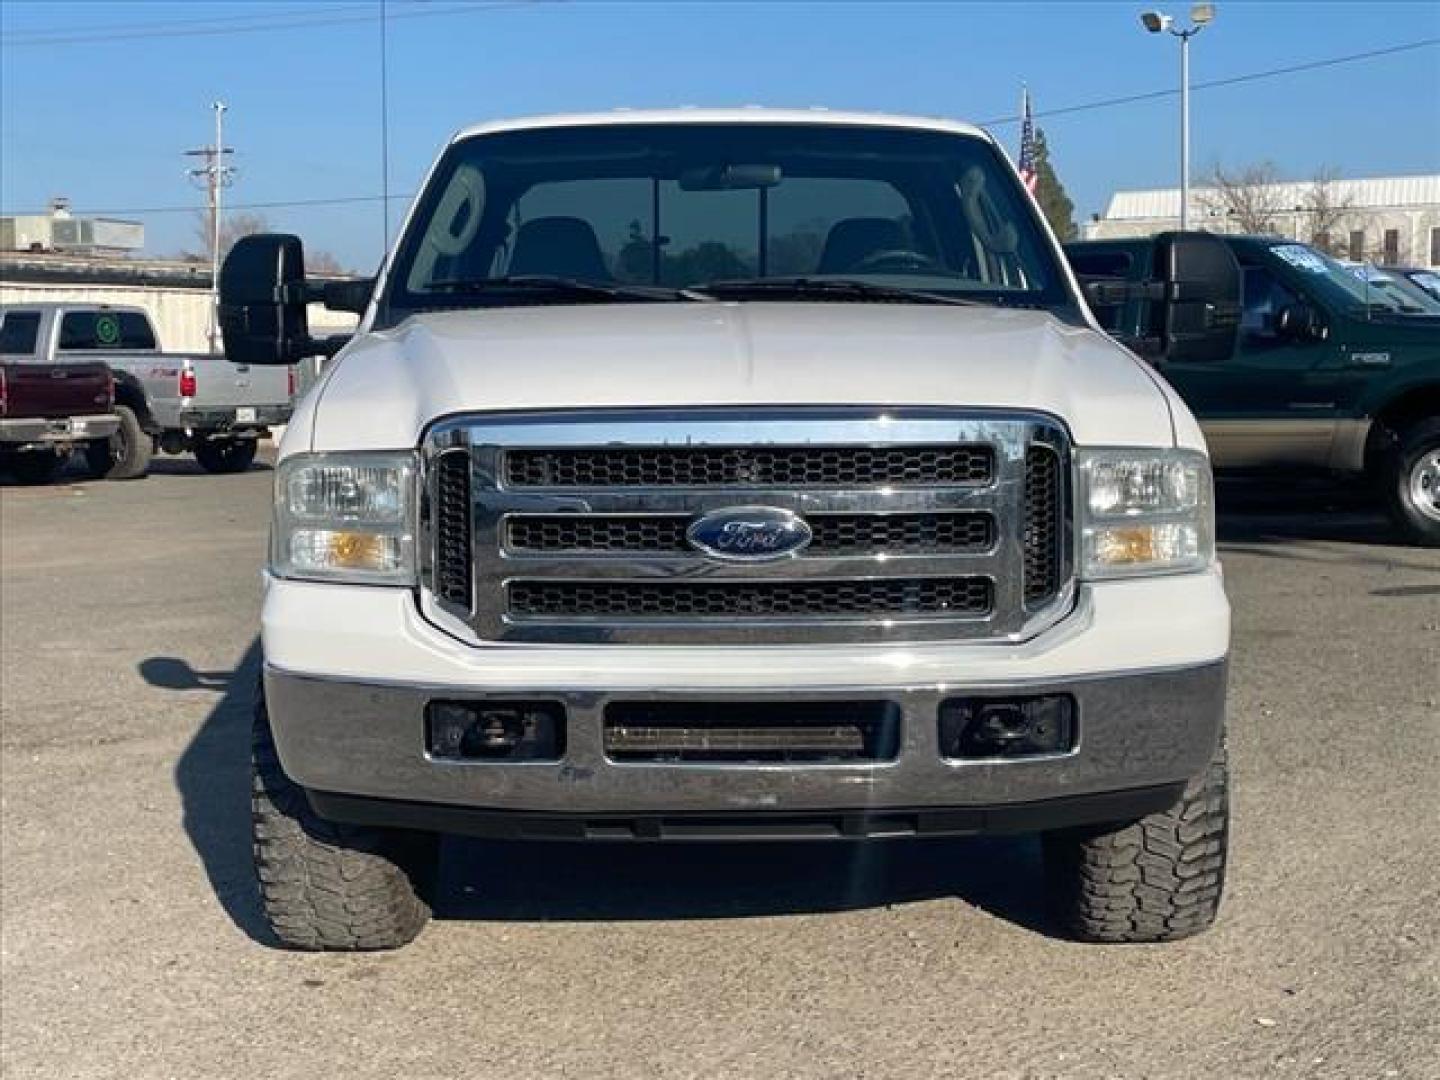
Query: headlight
{"x": 1145, "y": 512}
{"x": 345, "y": 517}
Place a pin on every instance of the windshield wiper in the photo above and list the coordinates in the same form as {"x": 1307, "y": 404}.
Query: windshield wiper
{"x": 828, "y": 288}
{"x": 555, "y": 285}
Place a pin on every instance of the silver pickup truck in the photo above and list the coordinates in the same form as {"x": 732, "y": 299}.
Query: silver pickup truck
{"x": 172, "y": 402}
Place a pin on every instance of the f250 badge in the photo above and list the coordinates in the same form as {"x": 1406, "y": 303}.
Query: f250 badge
{"x": 749, "y": 533}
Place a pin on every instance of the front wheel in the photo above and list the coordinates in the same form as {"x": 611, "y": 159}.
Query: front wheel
{"x": 328, "y": 887}
{"x": 1156, "y": 879}
{"x": 1412, "y": 482}
{"x": 225, "y": 455}
{"x": 123, "y": 456}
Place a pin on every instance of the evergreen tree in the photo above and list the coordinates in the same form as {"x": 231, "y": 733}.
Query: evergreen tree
{"x": 1050, "y": 192}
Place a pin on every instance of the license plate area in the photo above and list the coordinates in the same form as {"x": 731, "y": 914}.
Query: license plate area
{"x": 817, "y": 732}
{"x": 245, "y": 415}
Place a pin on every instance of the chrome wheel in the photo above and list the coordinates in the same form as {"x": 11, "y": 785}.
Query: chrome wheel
{"x": 1425, "y": 484}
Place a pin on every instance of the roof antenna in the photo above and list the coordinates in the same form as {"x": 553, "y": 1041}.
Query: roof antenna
{"x": 384, "y": 141}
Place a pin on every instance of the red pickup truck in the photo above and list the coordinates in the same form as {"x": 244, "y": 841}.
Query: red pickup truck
{"x": 48, "y": 409}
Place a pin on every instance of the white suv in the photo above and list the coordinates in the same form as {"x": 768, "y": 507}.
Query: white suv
{"x": 726, "y": 475}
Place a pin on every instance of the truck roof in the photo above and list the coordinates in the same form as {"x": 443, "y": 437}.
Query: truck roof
{"x": 748, "y": 114}
{"x": 68, "y": 305}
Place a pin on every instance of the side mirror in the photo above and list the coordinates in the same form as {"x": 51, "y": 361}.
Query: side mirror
{"x": 1199, "y": 312}
{"x": 1299, "y": 322}
{"x": 262, "y": 301}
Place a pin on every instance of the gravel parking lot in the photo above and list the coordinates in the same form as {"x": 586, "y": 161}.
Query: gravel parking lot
{"x": 132, "y": 946}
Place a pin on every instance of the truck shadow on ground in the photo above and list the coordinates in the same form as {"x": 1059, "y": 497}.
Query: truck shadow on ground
{"x": 525, "y": 882}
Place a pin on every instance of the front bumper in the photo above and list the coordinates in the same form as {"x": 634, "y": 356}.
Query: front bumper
{"x": 1146, "y": 729}
{"x": 58, "y": 430}
{"x": 349, "y": 671}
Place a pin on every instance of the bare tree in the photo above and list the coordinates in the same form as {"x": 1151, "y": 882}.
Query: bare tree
{"x": 1329, "y": 212}
{"x": 323, "y": 262}
{"x": 1249, "y": 199}
{"x": 232, "y": 227}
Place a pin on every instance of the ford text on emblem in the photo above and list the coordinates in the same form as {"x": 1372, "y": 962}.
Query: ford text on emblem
{"x": 749, "y": 533}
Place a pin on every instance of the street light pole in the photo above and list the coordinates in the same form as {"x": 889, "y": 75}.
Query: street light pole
{"x": 1201, "y": 15}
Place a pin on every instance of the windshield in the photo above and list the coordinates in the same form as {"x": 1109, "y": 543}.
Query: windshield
{"x": 543, "y": 216}
{"x": 1351, "y": 288}
{"x": 1398, "y": 290}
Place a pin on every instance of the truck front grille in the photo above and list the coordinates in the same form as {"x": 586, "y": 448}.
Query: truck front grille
{"x": 573, "y": 527}
{"x": 753, "y": 599}
{"x": 748, "y": 466}
{"x": 836, "y": 534}
{"x": 1042, "y": 533}
{"x": 454, "y": 555}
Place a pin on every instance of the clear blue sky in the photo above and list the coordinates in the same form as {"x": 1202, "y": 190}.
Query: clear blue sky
{"x": 98, "y": 100}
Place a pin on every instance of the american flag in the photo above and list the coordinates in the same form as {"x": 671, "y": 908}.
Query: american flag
{"x": 1027, "y": 143}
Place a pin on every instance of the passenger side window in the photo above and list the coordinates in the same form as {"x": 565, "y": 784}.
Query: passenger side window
{"x": 1264, "y": 297}
{"x": 18, "y": 332}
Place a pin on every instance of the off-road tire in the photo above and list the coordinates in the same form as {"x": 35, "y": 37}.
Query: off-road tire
{"x": 1156, "y": 879}
{"x": 123, "y": 456}
{"x": 1412, "y": 444}
{"x": 35, "y": 467}
{"x": 328, "y": 887}
{"x": 225, "y": 455}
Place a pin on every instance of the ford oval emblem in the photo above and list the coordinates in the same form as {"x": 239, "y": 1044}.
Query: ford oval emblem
{"x": 749, "y": 533}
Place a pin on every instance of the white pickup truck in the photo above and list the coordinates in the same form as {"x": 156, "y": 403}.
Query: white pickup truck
{"x": 727, "y": 475}
{"x": 171, "y": 401}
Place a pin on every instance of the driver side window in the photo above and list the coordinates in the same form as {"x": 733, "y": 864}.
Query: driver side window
{"x": 1265, "y": 296}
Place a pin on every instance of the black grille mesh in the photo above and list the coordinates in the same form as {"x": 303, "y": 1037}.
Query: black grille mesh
{"x": 742, "y": 466}
{"x": 453, "y": 560}
{"x": 1042, "y": 523}
{"x": 835, "y": 534}
{"x": 965, "y": 596}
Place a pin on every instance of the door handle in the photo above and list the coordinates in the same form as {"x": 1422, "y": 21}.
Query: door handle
{"x": 1370, "y": 359}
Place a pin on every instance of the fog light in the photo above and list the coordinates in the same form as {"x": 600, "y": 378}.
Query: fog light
{"x": 491, "y": 730}
{"x": 1007, "y": 727}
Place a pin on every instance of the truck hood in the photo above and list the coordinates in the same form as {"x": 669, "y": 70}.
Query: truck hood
{"x": 387, "y": 386}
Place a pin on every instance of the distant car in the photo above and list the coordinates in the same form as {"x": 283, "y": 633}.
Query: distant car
{"x": 1395, "y": 288}
{"x": 170, "y": 401}
{"x": 1429, "y": 280}
{"x": 49, "y": 405}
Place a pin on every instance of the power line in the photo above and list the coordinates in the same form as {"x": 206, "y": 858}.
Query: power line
{"x": 308, "y": 11}
{"x": 1066, "y": 110}
{"x": 1233, "y": 80}
{"x": 265, "y": 25}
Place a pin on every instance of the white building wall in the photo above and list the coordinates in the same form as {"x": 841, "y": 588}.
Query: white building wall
{"x": 1408, "y": 204}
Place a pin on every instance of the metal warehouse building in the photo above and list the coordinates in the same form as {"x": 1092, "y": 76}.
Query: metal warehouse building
{"x": 1391, "y": 220}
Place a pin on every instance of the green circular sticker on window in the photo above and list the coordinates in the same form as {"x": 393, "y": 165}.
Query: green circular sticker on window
{"x": 107, "y": 329}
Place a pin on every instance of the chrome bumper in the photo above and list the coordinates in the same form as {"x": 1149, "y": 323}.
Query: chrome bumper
{"x": 65, "y": 429}
{"x": 364, "y": 738}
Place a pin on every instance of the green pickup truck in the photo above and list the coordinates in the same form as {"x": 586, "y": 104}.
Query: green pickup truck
{"x": 1327, "y": 373}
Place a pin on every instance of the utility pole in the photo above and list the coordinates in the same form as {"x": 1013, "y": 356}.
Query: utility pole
{"x": 214, "y": 175}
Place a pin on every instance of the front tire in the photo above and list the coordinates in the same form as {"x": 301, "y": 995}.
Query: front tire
{"x": 1411, "y": 479}
{"x": 328, "y": 887}
{"x": 1156, "y": 879}
{"x": 225, "y": 455}
{"x": 123, "y": 456}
